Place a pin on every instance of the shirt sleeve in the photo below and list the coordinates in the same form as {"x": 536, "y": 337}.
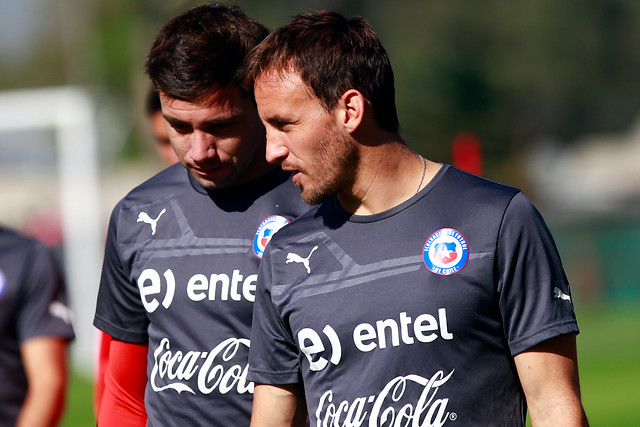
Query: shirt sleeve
{"x": 119, "y": 309}
{"x": 44, "y": 307}
{"x": 273, "y": 355}
{"x": 534, "y": 295}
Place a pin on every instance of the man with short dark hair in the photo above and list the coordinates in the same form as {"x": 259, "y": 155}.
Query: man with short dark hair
{"x": 182, "y": 250}
{"x": 415, "y": 294}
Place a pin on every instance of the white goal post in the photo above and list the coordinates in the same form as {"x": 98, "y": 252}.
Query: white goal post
{"x": 70, "y": 113}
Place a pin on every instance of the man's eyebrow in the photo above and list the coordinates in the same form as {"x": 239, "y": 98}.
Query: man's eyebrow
{"x": 223, "y": 120}
{"x": 212, "y": 122}
{"x": 173, "y": 120}
{"x": 277, "y": 119}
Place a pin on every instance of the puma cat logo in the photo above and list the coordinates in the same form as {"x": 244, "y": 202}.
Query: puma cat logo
{"x": 144, "y": 217}
{"x": 557, "y": 293}
{"x": 61, "y": 311}
{"x": 291, "y": 257}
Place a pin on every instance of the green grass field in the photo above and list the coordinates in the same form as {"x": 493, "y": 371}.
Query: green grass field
{"x": 609, "y": 362}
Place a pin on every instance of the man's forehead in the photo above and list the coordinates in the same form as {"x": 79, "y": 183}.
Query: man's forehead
{"x": 224, "y": 97}
{"x": 283, "y": 81}
{"x": 277, "y": 70}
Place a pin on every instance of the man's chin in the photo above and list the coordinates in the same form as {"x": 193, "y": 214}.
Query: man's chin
{"x": 313, "y": 197}
{"x": 209, "y": 183}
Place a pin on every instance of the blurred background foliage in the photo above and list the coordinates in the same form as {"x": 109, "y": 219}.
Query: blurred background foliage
{"x": 513, "y": 73}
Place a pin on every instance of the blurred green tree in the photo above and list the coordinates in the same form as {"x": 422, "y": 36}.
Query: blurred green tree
{"x": 513, "y": 73}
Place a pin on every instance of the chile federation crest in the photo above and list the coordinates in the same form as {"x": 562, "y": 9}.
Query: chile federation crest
{"x": 445, "y": 252}
{"x": 266, "y": 230}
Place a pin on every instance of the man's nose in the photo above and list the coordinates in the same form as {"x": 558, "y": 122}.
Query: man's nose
{"x": 203, "y": 146}
{"x": 276, "y": 149}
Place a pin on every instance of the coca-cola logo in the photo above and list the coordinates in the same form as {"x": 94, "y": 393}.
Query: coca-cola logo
{"x": 395, "y": 405}
{"x": 223, "y": 369}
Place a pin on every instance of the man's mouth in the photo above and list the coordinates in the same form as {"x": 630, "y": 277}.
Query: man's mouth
{"x": 296, "y": 172}
{"x": 208, "y": 171}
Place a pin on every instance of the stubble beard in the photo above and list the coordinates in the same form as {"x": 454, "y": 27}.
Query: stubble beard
{"x": 336, "y": 165}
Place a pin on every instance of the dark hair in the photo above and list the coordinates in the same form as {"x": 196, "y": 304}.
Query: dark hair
{"x": 202, "y": 50}
{"x": 332, "y": 54}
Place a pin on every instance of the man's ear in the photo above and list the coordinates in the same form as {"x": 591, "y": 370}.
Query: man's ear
{"x": 352, "y": 109}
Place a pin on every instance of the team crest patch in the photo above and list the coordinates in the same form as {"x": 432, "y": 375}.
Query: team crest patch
{"x": 445, "y": 252}
{"x": 266, "y": 230}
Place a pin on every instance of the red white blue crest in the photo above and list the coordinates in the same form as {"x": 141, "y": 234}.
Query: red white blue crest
{"x": 445, "y": 252}
{"x": 266, "y": 230}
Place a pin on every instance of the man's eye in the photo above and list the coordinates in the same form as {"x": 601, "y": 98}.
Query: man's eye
{"x": 181, "y": 129}
{"x": 218, "y": 128}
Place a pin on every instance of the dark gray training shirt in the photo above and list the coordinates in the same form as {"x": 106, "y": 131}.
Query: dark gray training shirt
{"x": 179, "y": 273}
{"x": 411, "y": 316}
{"x": 33, "y": 303}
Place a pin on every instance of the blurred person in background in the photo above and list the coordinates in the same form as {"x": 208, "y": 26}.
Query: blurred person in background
{"x": 159, "y": 132}
{"x": 182, "y": 249}
{"x": 416, "y": 293}
{"x": 35, "y": 331}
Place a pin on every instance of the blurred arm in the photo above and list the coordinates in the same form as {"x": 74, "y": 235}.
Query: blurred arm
{"x": 549, "y": 376}
{"x": 124, "y": 384}
{"x": 278, "y": 406}
{"x": 45, "y": 363}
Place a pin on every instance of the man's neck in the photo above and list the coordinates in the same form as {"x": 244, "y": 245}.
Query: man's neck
{"x": 256, "y": 169}
{"x": 388, "y": 175}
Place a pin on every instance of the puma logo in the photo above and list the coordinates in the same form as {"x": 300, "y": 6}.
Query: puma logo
{"x": 61, "y": 311}
{"x": 291, "y": 257}
{"x": 144, "y": 217}
{"x": 557, "y": 293}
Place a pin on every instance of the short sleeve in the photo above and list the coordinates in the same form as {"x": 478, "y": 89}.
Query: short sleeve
{"x": 273, "y": 355}
{"x": 534, "y": 295}
{"x": 44, "y": 308}
{"x": 119, "y": 309}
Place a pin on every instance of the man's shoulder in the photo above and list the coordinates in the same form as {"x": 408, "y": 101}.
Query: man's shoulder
{"x": 175, "y": 175}
{"x": 11, "y": 236}
{"x": 14, "y": 241}
{"x": 172, "y": 180}
{"x": 458, "y": 177}
{"x": 467, "y": 190}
